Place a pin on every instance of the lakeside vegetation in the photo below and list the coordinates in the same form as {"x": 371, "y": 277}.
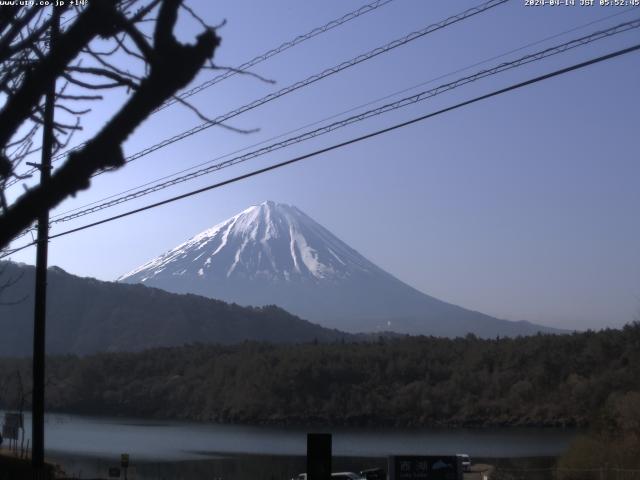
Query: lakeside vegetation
{"x": 543, "y": 380}
{"x": 612, "y": 444}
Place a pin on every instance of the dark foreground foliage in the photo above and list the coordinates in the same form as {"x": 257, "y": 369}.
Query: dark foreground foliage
{"x": 544, "y": 380}
{"x": 612, "y": 445}
{"x": 16, "y": 469}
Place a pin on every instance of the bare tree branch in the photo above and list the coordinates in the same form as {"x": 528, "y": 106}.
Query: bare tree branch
{"x": 169, "y": 66}
{"x": 103, "y": 72}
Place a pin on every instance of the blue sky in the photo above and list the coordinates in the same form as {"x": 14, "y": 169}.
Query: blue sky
{"x": 524, "y": 206}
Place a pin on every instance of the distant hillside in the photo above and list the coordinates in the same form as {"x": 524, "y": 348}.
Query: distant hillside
{"x": 87, "y": 316}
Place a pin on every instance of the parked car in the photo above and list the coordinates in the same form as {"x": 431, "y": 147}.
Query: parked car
{"x": 374, "y": 474}
{"x": 465, "y": 461}
{"x": 345, "y": 476}
{"x": 337, "y": 476}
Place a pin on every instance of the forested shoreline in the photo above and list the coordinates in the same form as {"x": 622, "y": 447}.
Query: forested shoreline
{"x": 543, "y": 380}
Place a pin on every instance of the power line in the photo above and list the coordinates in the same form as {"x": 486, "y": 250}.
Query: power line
{"x": 279, "y": 49}
{"x": 313, "y": 78}
{"x": 421, "y": 96}
{"x": 319, "y": 76}
{"x": 370, "y": 7}
{"x": 352, "y": 109}
{"x": 344, "y": 144}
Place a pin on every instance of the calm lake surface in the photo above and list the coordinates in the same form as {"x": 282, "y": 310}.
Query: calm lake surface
{"x": 172, "y": 449}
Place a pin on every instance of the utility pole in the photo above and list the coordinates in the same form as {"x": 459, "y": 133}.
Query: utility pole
{"x": 40, "y": 311}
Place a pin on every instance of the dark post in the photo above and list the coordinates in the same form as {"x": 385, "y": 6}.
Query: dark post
{"x": 319, "y": 456}
{"x": 124, "y": 463}
{"x": 39, "y": 319}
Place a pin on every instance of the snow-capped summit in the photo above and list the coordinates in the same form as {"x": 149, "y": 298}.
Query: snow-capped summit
{"x": 270, "y": 241}
{"x": 273, "y": 253}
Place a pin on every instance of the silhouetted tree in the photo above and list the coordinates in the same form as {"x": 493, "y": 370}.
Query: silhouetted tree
{"x": 109, "y": 44}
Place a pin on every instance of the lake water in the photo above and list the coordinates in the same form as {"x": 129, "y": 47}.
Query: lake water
{"x": 89, "y": 445}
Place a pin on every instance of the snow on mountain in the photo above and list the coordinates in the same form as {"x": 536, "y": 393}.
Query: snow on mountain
{"x": 269, "y": 241}
{"x": 275, "y": 254}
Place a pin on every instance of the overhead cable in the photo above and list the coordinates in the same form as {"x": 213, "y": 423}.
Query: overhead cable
{"x": 344, "y": 112}
{"x": 404, "y": 102}
{"x": 309, "y": 80}
{"x": 342, "y": 144}
{"x": 275, "y": 51}
{"x": 370, "y": 7}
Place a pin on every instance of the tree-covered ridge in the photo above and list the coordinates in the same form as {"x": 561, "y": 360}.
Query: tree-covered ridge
{"x": 544, "y": 380}
{"x": 87, "y": 316}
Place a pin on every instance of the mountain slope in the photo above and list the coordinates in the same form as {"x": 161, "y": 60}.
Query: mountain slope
{"x": 275, "y": 254}
{"x": 86, "y": 316}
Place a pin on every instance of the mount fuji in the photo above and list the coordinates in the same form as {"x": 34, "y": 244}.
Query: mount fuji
{"x": 275, "y": 254}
